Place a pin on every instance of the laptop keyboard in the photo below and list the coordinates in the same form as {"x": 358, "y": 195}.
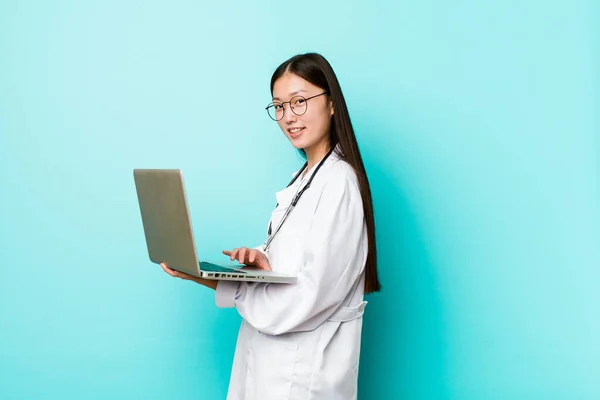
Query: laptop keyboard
{"x": 206, "y": 266}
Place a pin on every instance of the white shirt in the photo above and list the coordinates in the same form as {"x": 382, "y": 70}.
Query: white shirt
{"x": 302, "y": 340}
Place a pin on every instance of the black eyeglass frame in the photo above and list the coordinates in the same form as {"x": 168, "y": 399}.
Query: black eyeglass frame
{"x": 291, "y": 107}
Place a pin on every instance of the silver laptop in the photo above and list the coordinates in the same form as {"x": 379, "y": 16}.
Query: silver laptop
{"x": 169, "y": 235}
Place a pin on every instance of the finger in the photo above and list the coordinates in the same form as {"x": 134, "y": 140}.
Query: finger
{"x": 227, "y": 252}
{"x": 177, "y": 274}
{"x": 252, "y": 256}
{"x": 242, "y": 255}
{"x": 167, "y": 269}
{"x": 234, "y": 254}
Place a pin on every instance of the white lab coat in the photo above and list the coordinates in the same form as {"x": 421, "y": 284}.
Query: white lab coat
{"x": 302, "y": 340}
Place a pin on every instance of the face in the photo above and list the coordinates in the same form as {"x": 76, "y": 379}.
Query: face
{"x": 311, "y": 129}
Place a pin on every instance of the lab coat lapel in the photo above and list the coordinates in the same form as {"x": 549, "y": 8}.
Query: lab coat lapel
{"x": 285, "y": 196}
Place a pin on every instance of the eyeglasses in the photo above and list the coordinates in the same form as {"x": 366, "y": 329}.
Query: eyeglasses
{"x": 297, "y": 105}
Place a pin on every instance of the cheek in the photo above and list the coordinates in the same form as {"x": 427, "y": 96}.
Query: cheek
{"x": 319, "y": 124}
{"x": 281, "y": 125}
{"x": 314, "y": 121}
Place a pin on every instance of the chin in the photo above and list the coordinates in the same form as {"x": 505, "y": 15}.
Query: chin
{"x": 298, "y": 143}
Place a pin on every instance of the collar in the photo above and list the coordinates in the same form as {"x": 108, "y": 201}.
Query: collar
{"x": 284, "y": 197}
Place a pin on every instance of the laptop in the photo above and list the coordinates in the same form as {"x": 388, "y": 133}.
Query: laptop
{"x": 169, "y": 235}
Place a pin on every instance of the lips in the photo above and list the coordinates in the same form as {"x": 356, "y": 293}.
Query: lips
{"x": 295, "y": 132}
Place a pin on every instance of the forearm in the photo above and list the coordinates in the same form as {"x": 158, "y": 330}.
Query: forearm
{"x": 206, "y": 282}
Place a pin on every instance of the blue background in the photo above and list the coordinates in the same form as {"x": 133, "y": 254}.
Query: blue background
{"x": 479, "y": 125}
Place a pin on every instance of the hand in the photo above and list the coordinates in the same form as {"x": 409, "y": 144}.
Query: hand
{"x": 251, "y": 257}
{"x": 182, "y": 275}
{"x": 177, "y": 274}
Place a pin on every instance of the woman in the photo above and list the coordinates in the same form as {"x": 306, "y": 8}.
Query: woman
{"x": 302, "y": 340}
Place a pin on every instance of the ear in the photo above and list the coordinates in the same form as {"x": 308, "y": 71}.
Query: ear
{"x": 331, "y": 108}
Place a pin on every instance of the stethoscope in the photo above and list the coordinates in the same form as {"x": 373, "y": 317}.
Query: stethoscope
{"x": 294, "y": 200}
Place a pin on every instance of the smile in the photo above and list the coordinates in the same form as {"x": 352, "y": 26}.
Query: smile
{"x": 295, "y": 132}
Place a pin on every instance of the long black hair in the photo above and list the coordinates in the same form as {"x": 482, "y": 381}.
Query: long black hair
{"x": 314, "y": 68}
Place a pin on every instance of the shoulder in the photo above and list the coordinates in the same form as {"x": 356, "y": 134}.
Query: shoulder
{"x": 337, "y": 191}
{"x": 339, "y": 177}
{"x": 340, "y": 171}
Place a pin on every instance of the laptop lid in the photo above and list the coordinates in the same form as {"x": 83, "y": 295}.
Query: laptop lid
{"x": 166, "y": 218}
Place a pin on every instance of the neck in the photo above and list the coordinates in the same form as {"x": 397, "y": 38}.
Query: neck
{"x": 316, "y": 154}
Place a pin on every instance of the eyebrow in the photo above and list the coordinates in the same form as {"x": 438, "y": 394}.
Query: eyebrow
{"x": 292, "y": 94}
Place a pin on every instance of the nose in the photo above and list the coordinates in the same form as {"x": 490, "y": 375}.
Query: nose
{"x": 288, "y": 116}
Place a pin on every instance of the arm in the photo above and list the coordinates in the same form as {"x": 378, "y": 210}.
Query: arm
{"x": 255, "y": 257}
{"x": 336, "y": 255}
{"x": 206, "y": 282}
